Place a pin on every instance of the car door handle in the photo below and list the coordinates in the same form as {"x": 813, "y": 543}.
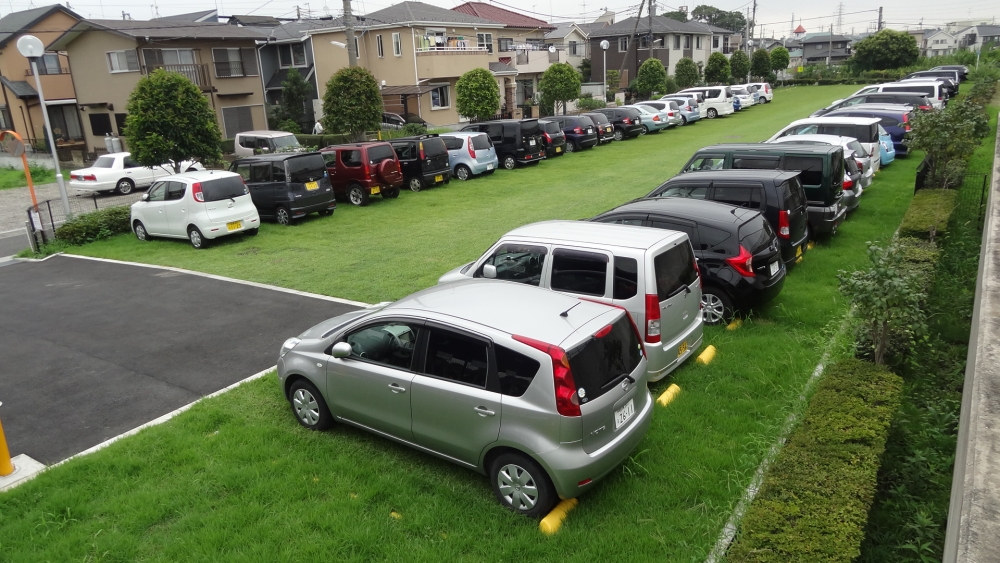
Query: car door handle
{"x": 483, "y": 411}
{"x": 396, "y": 388}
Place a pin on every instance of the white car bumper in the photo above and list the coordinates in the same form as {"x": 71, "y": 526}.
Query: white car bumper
{"x": 82, "y": 186}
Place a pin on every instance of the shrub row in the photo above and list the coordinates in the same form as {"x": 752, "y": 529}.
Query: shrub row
{"x": 928, "y": 214}
{"x": 814, "y": 501}
{"x": 95, "y": 225}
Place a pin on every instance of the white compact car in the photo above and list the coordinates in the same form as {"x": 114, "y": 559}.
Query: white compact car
{"x": 117, "y": 172}
{"x": 199, "y": 206}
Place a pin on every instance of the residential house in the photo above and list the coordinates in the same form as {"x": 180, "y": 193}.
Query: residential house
{"x": 21, "y": 110}
{"x": 572, "y": 39}
{"x": 211, "y": 16}
{"x": 825, "y": 48}
{"x": 108, "y": 58}
{"x": 919, "y": 35}
{"x": 720, "y": 37}
{"x": 633, "y": 42}
{"x": 289, "y": 46}
{"x": 973, "y": 38}
{"x": 955, "y": 27}
{"x": 254, "y": 21}
{"x": 938, "y": 43}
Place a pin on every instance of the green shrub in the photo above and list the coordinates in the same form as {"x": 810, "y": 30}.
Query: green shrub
{"x": 414, "y": 129}
{"x": 289, "y": 126}
{"x": 310, "y": 140}
{"x": 814, "y": 501}
{"x": 587, "y": 102}
{"x": 919, "y": 258}
{"x": 928, "y": 214}
{"x": 95, "y": 225}
{"x": 228, "y": 146}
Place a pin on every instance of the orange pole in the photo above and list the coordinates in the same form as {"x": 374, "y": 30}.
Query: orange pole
{"x": 6, "y": 467}
{"x": 24, "y": 162}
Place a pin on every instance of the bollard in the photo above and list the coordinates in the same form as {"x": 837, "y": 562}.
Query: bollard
{"x": 6, "y": 467}
{"x": 669, "y": 395}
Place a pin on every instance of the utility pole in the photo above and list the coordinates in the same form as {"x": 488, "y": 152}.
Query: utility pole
{"x": 649, "y": 36}
{"x": 829, "y": 54}
{"x": 753, "y": 20}
{"x": 352, "y": 55}
{"x": 879, "y": 19}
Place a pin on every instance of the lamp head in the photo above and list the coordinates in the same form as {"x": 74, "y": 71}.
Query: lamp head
{"x": 605, "y": 44}
{"x": 30, "y": 46}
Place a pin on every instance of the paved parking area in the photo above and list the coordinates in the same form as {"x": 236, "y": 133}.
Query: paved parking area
{"x": 91, "y": 349}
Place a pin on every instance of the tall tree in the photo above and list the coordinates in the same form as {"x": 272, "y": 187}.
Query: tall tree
{"x": 352, "y": 103}
{"x": 560, "y": 83}
{"x": 760, "y": 64}
{"x": 294, "y": 93}
{"x": 170, "y": 120}
{"x": 652, "y": 77}
{"x": 739, "y": 64}
{"x": 677, "y": 15}
{"x": 717, "y": 69}
{"x": 779, "y": 59}
{"x": 584, "y": 69}
{"x": 885, "y": 50}
{"x": 686, "y": 73}
{"x": 477, "y": 94}
{"x": 733, "y": 21}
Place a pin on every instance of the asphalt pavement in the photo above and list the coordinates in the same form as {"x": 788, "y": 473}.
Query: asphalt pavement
{"x": 89, "y": 349}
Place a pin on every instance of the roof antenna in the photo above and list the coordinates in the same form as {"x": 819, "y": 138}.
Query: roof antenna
{"x": 566, "y": 312}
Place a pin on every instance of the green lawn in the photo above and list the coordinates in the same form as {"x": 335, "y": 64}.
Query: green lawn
{"x": 236, "y": 479}
{"x": 14, "y": 177}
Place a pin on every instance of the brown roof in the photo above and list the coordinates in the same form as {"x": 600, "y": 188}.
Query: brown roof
{"x": 500, "y": 15}
{"x": 800, "y": 29}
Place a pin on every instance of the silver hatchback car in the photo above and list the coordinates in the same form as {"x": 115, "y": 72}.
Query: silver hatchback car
{"x": 543, "y": 393}
{"x": 470, "y": 154}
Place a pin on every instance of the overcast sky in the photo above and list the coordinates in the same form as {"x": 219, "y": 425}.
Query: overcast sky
{"x": 773, "y": 16}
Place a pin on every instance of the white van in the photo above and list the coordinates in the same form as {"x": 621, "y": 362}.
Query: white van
{"x": 765, "y": 91}
{"x": 651, "y": 273}
{"x": 718, "y": 100}
{"x": 249, "y": 143}
{"x": 864, "y": 129}
{"x": 933, "y": 90}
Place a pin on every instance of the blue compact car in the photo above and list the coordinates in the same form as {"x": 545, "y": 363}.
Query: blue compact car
{"x": 887, "y": 152}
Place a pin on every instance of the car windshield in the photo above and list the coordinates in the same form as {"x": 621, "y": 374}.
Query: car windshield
{"x": 286, "y": 142}
{"x": 481, "y": 142}
{"x": 223, "y": 188}
{"x": 104, "y": 162}
{"x": 602, "y": 360}
{"x": 378, "y": 153}
{"x": 305, "y": 168}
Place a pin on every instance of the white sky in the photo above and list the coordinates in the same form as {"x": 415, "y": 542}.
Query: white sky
{"x": 774, "y": 16}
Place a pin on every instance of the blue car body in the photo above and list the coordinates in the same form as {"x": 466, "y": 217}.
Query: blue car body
{"x": 890, "y": 120}
{"x": 736, "y": 104}
{"x": 886, "y": 150}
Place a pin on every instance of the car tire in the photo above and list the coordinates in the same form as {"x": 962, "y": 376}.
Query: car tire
{"x": 125, "y": 186}
{"x": 197, "y": 240}
{"x": 357, "y": 195}
{"x": 462, "y": 172}
{"x": 391, "y": 193}
{"x": 711, "y": 113}
{"x": 308, "y": 406}
{"x": 644, "y": 130}
{"x": 521, "y": 485}
{"x": 282, "y": 216}
{"x": 684, "y": 121}
{"x": 140, "y": 231}
{"x": 619, "y": 135}
{"x": 570, "y": 147}
{"x": 509, "y": 162}
{"x": 416, "y": 184}
{"x": 717, "y": 307}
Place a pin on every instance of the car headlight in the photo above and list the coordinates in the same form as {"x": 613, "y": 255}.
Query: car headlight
{"x": 288, "y": 345}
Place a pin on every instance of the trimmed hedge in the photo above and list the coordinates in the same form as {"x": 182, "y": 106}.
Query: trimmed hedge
{"x": 929, "y": 212}
{"x": 228, "y": 146}
{"x": 813, "y": 504}
{"x": 920, "y": 258}
{"x": 95, "y": 225}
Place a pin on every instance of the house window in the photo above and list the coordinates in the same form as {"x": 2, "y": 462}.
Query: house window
{"x": 65, "y": 123}
{"x": 439, "y": 97}
{"x": 623, "y": 44}
{"x": 715, "y": 41}
{"x": 644, "y": 42}
{"x": 100, "y": 124}
{"x": 687, "y": 41}
{"x": 397, "y": 45}
{"x": 237, "y": 120}
{"x": 378, "y": 46}
{"x": 505, "y": 44}
{"x": 572, "y": 47}
{"x": 120, "y": 122}
{"x": 293, "y": 54}
{"x": 234, "y": 62}
{"x": 485, "y": 41}
{"x": 697, "y": 42}
{"x": 162, "y": 57}
{"x": 49, "y": 64}
{"x": 677, "y": 42}
{"x": 123, "y": 61}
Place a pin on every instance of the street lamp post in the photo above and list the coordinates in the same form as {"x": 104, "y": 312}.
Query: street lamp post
{"x": 32, "y": 49}
{"x": 604, "y": 46}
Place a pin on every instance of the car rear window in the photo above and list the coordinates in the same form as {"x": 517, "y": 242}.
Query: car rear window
{"x": 305, "y": 168}
{"x": 810, "y": 168}
{"x": 529, "y": 127}
{"x": 755, "y": 234}
{"x": 599, "y": 363}
{"x": 598, "y": 118}
{"x": 858, "y": 149}
{"x": 481, "y": 142}
{"x": 434, "y": 146}
{"x": 631, "y": 112}
{"x": 104, "y": 162}
{"x": 226, "y": 187}
{"x": 550, "y": 127}
{"x": 791, "y": 192}
{"x": 575, "y": 271}
{"x": 378, "y": 153}
{"x": 452, "y": 143}
{"x": 674, "y": 269}
{"x": 514, "y": 370}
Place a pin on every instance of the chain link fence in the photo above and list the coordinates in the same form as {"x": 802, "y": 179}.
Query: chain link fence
{"x": 971, "y": 203}
{"x": 43, "y": 222}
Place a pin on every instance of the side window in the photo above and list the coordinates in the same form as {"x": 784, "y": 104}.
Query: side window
{"x": 330, "y": 158}
{"x": 248, "y": 142}
{"x": 278, "y": 171}
{"x": 890, "y": 122}
{"x": 707, "y": 162}
{"x": 626, "y": 278}
{"x": 673, "y": 225}
{"x": 243, "y": 170}
{"x": 811, "y": 169}
{"x": 175, "y": 190}
{"x": 260, "y": 172}
{"x": 495, "y": 131}
{"x": 579, "y": 272}
{"x": 403, "y": 151}
{"x": 158, "y": 191}
{"x": 682, "y": 190}
{"x": 517, "y": 262}
{"x": 129, "y": 163}
{"x": 510, "y": 132}
{"x": 351, "y": 158}
{"x": 740, "y": 196}
{"x": 635, "y": 222}
{"x": 712, "y": 239}
{"x": 515, "y": 371}
{"x": 388, "y": 343}
{"x": 456, "y": 357}
{"x": 746, "y": 162}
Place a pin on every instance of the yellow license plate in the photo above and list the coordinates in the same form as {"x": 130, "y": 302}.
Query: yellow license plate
{"x": 234, "y": 226}
{"x": 558, "y": 150}
{"x": 682, "y": 349}
{"x": 439, "y": 178}
{"x": 376, "y": 190}
{"x": 312, "y": 186}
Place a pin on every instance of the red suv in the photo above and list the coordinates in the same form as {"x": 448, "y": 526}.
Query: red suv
{"x": 361, "y": 170}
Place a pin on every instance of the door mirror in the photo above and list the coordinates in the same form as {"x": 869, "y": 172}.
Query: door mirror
{"x": 145, "y": 197}
{"x": 341, "y": 350}
{"x": 489, "y": 271}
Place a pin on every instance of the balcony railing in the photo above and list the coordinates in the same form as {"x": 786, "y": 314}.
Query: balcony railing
{"x": 195, "y": 73}
{"x": 229, "y": 69}
{"x": 42, "y": 71}
{"x": 454, "y": 49}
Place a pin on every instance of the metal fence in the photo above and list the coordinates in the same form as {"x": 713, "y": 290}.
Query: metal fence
{"x": 972, "y": 200}
{"x": 51, "y": 213}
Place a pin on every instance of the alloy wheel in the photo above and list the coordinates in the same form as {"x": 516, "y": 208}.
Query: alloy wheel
{"x": 517, "y": 487}
{"x": 282, "y": 216}
{"x": 306, "y": 407}
{"x": 140, "y": 231}
{"x": 462, "y": 173}
{"x": 713, "y": 310}
{"x": 509, "y": 163}
{"x": 124, "y": 187}
{"x": 355, "y": 196}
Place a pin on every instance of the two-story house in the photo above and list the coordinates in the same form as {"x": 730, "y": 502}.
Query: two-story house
{"x": 720, "y": 42}
{"x": 973, "y": 38}
{"x": 21, "y": 110}
{"x": 825, "y": 48}
{"x": 631, "y": 43}
{"x": 938, "y": 43}
{"x": 109, "y": 57}
{"x": 290, "y": 46}
{"x": 571, "y": 38}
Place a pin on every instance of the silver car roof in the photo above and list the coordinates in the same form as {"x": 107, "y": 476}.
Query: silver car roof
{"x": 602, "y": 234}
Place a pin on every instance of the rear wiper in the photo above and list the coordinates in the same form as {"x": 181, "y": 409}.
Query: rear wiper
{"x": 617, "y": 379}
{"x": 678, "y": 290}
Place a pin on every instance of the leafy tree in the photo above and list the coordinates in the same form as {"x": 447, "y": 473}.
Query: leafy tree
{"x": 760, "y": 64}
{"x": 294, "y": 93}
{"x": 652, "y": 77}
{"x": 289, "y": 125}
{"x": 717, "y": 69}
{"x": 686, "y": 73}
{"x": 779, "y": 59}
{"x": 676, "y": 15}
{"x": 477, "y": 94}
{"x": 584, "y": 69}
{"x": 884, "y": 50}
{"x": 948, "y": 137}
{"x": 733, "y": 21}
{"x": 560, "y": 83}
{"x": 170, "y": 120}
{"x": 588, "y": 102}
{"x": 612, "y": 77}
{"x": 739, "y": 64}
{"x": 352, "y": 103}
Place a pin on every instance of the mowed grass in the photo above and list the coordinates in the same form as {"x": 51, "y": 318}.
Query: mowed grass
{"x": 236, "y": 478}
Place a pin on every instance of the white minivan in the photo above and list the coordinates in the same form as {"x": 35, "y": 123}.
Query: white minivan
{"x": 249, "y": 143}
{"x": 198, "y": 206}
{"x": 652, "y": 275}
{"x": 718, "y": 100}
{"x": 933, "y": 90}
{"x": 864, "y": 129}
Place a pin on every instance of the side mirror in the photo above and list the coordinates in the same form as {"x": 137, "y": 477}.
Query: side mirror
{"x": 490, "y": 271}
{"x": 145, "y": 197}
{"x": 341, "y": 350}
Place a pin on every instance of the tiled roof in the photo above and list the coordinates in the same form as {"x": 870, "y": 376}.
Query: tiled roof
{"x": 297, "y": 29}
{"x": 405, "y": 12}
{"x": 158, "y": 29}
{"x": 16, "y": 22}
{"x": 660, "y": 25}
{"x": 206, "y": 16}
{"x": 500, "y": 15}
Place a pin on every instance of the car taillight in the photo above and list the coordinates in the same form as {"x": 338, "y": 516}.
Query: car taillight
{"x": 368, "y": 171}
{"x": 90, "y": 178}
{"x": 906, "y": 121}
{"x": 656, "y": 118}
{"x": 472, "y": 151}
{"x": 652, "y": 319}
{"x": 697, "y": 270}
{"x": 848, "y": 183}
{"x": 742, "y": 263}
{"x": 687, "y": 108}
{"x": 567, "y": 400}
{"x": 784, "y": 229}
{"x": 925, "y": 107}
{"x": 626, "y": 121}
{"x": 861, "y": 165}
{"x": 422, "y": 155}
{"x": 578, "y": 130}
{"x": 940, "y": 97}
{"x": 197, "y": 193}
{"x": 548, "y": 138}
{"x": 670, "y": 114}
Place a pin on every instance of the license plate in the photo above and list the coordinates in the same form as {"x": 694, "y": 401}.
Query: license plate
{"x": 376, "y": 190}
{"x": 774, "y": 268}
{"x": 558, "y": 150}
{"x": 234, "y": 226}
{"x": 489, "y": 167}
{"x": 623, "y": 414}
{"x": 312, "y": 186}
{"x": 531, "y": 142}
{"x": 439, "y": 178}
{"x": 589, "y": 130}
{"x": 682, "y": 349}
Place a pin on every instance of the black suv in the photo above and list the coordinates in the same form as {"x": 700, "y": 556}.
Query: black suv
{"x": 423, "y": 160}
{"x": 605, "y": 131}
{"x": 626, "y": 122}
{"x": 552, "y": 137}
{"x": 737, "y": 251}
{"x": 580, "y": 131}
{"x": 916, "y": 101}
{"x": 287, "y": 186}
{"x": 515, "y": 141}
{"x": 778, "y": 194}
